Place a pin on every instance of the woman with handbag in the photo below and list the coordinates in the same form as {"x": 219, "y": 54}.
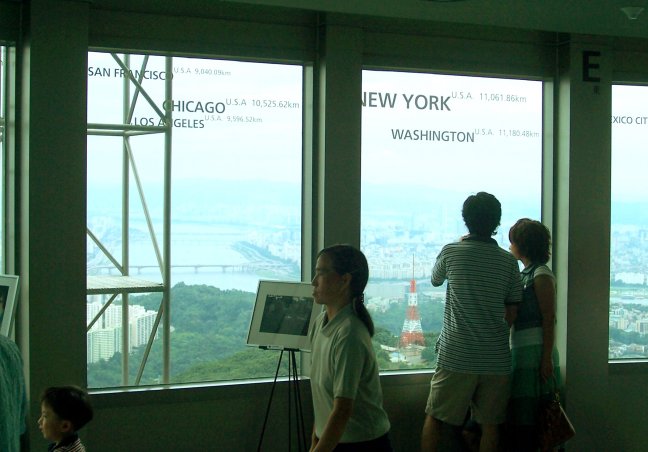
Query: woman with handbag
{"x": 536, "y": 375}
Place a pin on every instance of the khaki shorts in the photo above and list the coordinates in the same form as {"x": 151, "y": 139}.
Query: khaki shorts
{"x": 453, "y": 393}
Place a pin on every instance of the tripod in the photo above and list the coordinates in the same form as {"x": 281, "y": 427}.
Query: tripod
{"x": 294, "y": 397}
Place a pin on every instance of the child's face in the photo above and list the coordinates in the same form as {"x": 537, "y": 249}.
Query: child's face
{"x": 51, "y": 426}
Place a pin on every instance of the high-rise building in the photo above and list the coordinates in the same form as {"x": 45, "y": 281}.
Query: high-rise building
{"x": 103, "y": 343}
{"x": 642, "y": 326}
{"x": 104, "y": 338}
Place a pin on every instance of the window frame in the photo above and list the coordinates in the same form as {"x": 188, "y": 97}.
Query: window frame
{"x": 547, "y": 147}
{"x": 623, "y": 366}
{"x": 162, "y": 324}
{"x": 8, "y": 230}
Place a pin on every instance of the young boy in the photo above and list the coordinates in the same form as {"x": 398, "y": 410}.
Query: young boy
{"x": 64, "y": 411}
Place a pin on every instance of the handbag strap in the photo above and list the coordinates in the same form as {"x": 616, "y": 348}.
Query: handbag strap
{"x": 552, "y": 384}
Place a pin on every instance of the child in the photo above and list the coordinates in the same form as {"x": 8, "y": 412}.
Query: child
{"x": 64, "y": 411}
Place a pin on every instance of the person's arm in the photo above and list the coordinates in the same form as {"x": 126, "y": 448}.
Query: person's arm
{"x": 546, "y": 294}
{"x": 510, "y": 314}
{"x": 439, "y": 270}
{"x": 514, "y": 297}
{"x": 335, "y": 425}
{"x": 314, "y": 439}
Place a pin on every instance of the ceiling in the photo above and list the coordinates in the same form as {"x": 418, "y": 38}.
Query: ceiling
{"x": 588, "y": 17}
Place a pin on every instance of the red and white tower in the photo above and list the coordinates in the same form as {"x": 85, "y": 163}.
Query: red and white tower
{"x": 412, "y": 333}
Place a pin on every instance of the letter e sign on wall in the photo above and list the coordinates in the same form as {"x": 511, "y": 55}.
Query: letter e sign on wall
{"x": 589, "y": 64}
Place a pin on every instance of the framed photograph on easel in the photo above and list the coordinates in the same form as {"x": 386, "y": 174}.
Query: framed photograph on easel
{"x": 283, "y": 314}
{"x": 8, "y": 301}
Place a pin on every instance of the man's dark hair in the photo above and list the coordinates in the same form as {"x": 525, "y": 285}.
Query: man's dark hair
{"x": 70, "y": 403}
{"x": 482, "y": 214}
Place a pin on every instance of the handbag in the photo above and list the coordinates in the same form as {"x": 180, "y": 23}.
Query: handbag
{"x": 554, "y": 427}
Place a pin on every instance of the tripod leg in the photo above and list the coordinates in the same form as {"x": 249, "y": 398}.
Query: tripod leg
{"x": 299, "y": 413}
{"x": 290, "y": 357}
{"x": 274, "y": 383}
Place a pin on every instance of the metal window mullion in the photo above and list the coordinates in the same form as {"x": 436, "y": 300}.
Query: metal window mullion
{"x": 3, "y": 149}
{"x": 125, "y": 225}
{"x": 166, "y": 275}
{"x": 129, "y": 77}
{"x": 101, "y": 311}
{"x": 104, "y": 250}
{"x": 138, "y": 87}
{"x": 149, "y": 343}
{"x": 147, "y": 215}
{"x": 102, "y": 129}
{"x": 9, "y": 175}
{"x": 308, "y": 223}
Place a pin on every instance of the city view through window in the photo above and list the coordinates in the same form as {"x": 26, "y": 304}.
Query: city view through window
{"x": 629, "y": 225}
{"x": 428, "y": 142}
{"x": 235, "y": 196}
{"x": 235, "y": 184}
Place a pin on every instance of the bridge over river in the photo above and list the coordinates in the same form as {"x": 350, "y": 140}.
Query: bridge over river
{"x": 248, "y": 267}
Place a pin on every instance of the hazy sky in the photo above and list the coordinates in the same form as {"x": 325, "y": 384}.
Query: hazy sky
{"x": 253, "y": 131}
{"x": 499, "y": 112}
{"x": 241, "y": 121}
{"x": 629, "y": 142}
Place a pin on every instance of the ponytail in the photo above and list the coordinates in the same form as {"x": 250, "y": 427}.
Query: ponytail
{"x": 363, "y": 314}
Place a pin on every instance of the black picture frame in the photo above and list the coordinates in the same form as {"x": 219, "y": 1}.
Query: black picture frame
{"x": 283, "y": 314}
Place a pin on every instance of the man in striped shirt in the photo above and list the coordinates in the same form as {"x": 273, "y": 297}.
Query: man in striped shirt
{"x": 474, "y": 358}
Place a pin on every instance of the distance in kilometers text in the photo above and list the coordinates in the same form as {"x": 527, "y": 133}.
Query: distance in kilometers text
{"x": 522, "y": 133}
{"x": 502, "y": 97}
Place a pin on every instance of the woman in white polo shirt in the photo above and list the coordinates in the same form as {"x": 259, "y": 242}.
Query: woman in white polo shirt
{"x": 347, "y": 396}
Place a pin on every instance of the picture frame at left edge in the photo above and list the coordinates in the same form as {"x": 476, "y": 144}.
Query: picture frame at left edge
{"x": 8, "y": 302}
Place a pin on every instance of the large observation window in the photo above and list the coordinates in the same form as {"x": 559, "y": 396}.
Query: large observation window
{"x": 629, "y": 225}
{"x": 194, "y": 195}
{"x": 429, "y": 141}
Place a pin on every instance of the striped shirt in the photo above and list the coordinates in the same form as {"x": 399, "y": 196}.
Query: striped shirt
{"x": 70, "y": 444}
{"x": 482, "y": 279}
